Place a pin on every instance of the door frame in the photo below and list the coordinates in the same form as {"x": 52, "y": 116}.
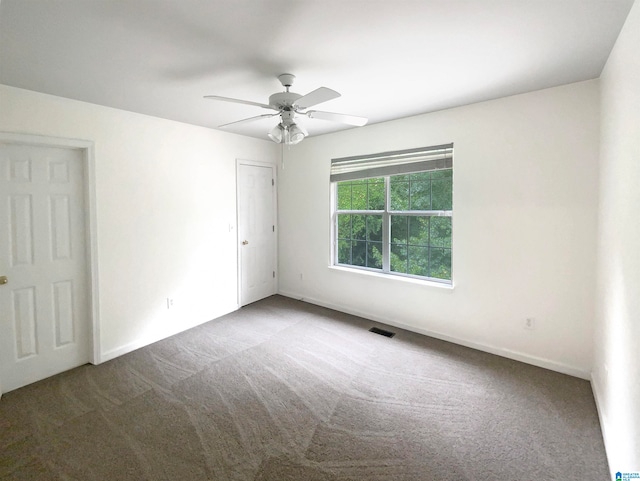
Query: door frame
{"x": 86, "y": 147}
{"x": 274, "y": 173}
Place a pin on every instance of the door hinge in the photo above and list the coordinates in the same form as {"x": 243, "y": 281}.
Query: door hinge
{"x": 273, "y": 182}
{"x": 274, "y": 274}
{"x": 273, "y": 228}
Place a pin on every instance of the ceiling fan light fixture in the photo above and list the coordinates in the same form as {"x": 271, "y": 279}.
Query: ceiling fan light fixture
{"x": 291, "y": 134}
{"x": 296, "y": 134}
{"x": 277, "y": 134}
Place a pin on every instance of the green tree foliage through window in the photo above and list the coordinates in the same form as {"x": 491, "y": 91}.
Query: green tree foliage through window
{"x": 365, "y": 194}
{"x": 360, "y": 240}
{"x": 422, "y": 191}
{"x": 415, "y": 210}
{"x": 421, "y": 246}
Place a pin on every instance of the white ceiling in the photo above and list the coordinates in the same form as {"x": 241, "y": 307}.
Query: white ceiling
{"x": 389, "y": 59}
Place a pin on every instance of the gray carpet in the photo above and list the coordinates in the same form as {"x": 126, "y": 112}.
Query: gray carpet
{"x": 282, "y": 390}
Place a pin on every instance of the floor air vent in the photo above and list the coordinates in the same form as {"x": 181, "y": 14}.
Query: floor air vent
{"x": 382, "y": 332}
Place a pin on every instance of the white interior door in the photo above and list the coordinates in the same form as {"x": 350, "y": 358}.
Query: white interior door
{"x": 44, "y": 308}
{"x": 256, "y": 231}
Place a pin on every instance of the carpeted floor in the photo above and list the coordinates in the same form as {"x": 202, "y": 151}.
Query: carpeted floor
{"x": 282, "y": 390}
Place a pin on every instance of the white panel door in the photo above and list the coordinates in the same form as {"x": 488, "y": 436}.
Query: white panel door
{"x": 256, "y": 232}
{"x": 44, "y": 311}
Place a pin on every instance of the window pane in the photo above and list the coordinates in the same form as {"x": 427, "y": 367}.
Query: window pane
{"x": 410, "y": 230}
{"x": 441, "y": 194}
{"x": 440, "y": 235}
{"x": 376, "y": 194}
{"x": 374, "y": 228}
{"x": 421, "y": 246}
{"x": 359, "y": 196}
{"x": 400, "y": 178}
{"x": 418, "y": 261}
{"x": 420, "y": 195}
{"x": 344, "y": 251}
{"x": 360, "y": 240}
{"x": 440, "y": 263}
{"x": 399, "y": 229}
{"x": 442, "y": 174}
{"x": 359, "y": 253}
{"x": 374, "y": 255}
{"x": 344, "y": 195}
{"x": 344, "y": 226}
{"x": 359, "y": 227}
{"x": 363, "y": 194}
{"x": 399, "y": 194}
{"x": 420, "y": 176}
{"x": 422, "y": 191}
{"x": 398, "y": 258}
{"x": 419, "y": 231}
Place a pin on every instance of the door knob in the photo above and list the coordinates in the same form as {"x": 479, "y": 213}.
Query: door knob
{"x": 3, "y": 279}
{"x": 244, "y": 243}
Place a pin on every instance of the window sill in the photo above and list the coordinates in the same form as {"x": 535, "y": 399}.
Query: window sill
{"x": 381, "y": 275}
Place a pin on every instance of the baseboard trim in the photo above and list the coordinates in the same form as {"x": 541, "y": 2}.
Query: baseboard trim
{"x": 498, "y": 351}
{"x": 127, "y": 348}
{"x": 138, "y": 343}
{"x": 608, "y": 446}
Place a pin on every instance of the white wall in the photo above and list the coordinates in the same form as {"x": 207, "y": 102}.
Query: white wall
{"x": 616, "y": 375}
{"x": 524, "y": 227}
{"x": 165, "y": 195}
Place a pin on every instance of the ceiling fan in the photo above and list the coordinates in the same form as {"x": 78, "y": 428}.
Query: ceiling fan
{"x": 288, "y": 105}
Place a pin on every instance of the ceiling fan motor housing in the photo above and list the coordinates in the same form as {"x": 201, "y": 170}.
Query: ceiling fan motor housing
{"x": 283, "y": 100}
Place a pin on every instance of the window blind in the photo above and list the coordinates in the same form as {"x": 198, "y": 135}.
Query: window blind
{"x": 392, "y": 163}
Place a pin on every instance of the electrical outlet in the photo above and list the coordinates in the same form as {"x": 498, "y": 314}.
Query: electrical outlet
{"x": 169, "y": 302}
{"x": 530, "y": 323}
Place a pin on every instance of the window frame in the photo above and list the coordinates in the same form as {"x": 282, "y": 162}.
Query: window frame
{"x": 387, "y": 215}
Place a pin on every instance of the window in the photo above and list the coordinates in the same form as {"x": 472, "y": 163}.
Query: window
{"x": 393, "y": 212}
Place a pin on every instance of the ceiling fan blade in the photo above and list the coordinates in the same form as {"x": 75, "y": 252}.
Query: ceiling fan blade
{"x": 342, "y": 118}
{"x": 238, "y": 101}
{"x": 250, "y": 119}
{"x": 319, "y": 95}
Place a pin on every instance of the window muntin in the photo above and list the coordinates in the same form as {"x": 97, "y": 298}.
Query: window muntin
{"x": 360, "y": 240}
{"x": 422, "y": 191}
{"x": 396, "y": 224}
{"x": 361, "y": 194}
{"x": 421, "y": 246}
